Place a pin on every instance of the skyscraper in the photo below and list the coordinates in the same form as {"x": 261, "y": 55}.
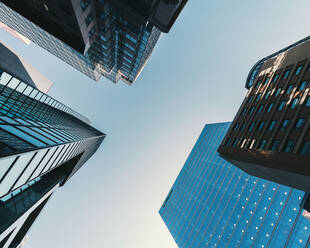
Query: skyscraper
{"x": 42, "y": 144}
{"x": 270, "y": 135}
{"x": 113, "y": 38}
{"x": 215, "y": 204}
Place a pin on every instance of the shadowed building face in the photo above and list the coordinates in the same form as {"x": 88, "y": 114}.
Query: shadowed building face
{"x": 270, "y": 135}
{"x": 110, "y": 38}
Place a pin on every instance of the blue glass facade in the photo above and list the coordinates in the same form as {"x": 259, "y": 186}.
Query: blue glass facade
{"x": 214, "y": 204}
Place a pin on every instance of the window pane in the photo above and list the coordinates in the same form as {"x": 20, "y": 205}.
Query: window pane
{"x": 5, "y": 164}
{"x": 14, "y": 173}
{"x": 35, "y": 161}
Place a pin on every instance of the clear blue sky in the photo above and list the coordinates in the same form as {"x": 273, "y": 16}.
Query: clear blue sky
{"x": 195, "y": 76}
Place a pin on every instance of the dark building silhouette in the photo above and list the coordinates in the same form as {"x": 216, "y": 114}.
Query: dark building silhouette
{"x": 270, "y": 135}
{"x": 42, "y": 144}
{"x": 113, "y": 38}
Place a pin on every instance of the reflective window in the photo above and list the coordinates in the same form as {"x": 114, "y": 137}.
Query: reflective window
{"x": 307, "y": 102}
{"x": 284, "y": 124}
{"x": 252, "y": 126}
{"x": 278, "y": 91}
{"x": 258, "y": 96}
{"x": 305, "y": 148}
{"x": 286, "y": 74}
{"x": 235, "y": 142}
{"x": 275, "y": 78}
{"x": 270, "y": 107}
{"x": 295, "y": 102}
{"x": 289, "y": 89}
{"x": 282, "y": 105}
{"x": 262, "y": 144}
{"x": 303, "y": 85}
{"x": 261, "y": 126}
{"x": 289, "y": 146}
{"x": 298, "y": 70}
{"x": 274, "y": 145}
{"x": 22, "y": 135}
{"x": 267, "y": 94}
{"x": 14, "y": 173}
{"x": 272, "y": 125}
{"x": 5, "y": 164}
{"x": 31, "y": 167}
{"x": 261, "y": 107}
{"x": 300, "y": 122}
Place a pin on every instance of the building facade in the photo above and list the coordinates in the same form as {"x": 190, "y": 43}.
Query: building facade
{"x": 215, "y": 204}
{"x": 270, "y": 135}
{"x": 100, "y": 37}
{"x": 42, "y": 144}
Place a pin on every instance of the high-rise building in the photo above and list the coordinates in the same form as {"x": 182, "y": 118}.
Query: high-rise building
{"x": 113, "y": 38}
{"x": 270, "y": 135}
{"x": 215, "y": 204}
{"x": 23, "y": 71}
{"x": 42, "y": 144}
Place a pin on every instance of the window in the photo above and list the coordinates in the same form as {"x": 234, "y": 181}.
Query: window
{"x": 243, "y": 126}
{"x": 267, "y": 94}
{"x": 289, "y": 89}
{"x": 270, "y": 107}
{"x": 235, "y": 142}
{"x": 286, "y": 74}
{"x": 298, "y": 70}
{"x": 244, "y": 111}
{"x": 252, "y": 126}
{"x": 281, "y": 106}
{"x": 261, "y": 107}
{"x": 289, "y": 146}
{"x": 274, "y": 145}
{"x": 272, "y": 125}
{"x": 261, "y": 126}
{"x": 258, "y": 96}
{"x": 250, "y": 98}
{"x": 305, "y": 148}
{"x": 275, "y": 78}
{"x": 236, "y": 127}
{"x": 299, "y": 123}
{"x": 278, "y": 91}
{"x": 258, "y": 83}
{"x": 266, "y": 80}
{"x": 284, "y": 124}
{"x": 295, "y": 102}
{"x": 252, "y": 110}
{"x": 303, "y": 85}
{"x": 228, "y": 141}
{"x": 262, "y": 144}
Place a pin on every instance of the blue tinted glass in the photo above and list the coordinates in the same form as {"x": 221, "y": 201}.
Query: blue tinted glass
{"x": 214, "y": 204}
{"x": 289, "y": 89}
{"x": 281, "y": 106}
{"x": 270, "y": 107}
{"x": 22, "y": 135}
{"x": 298, "y": 70}
{"x": 295, "y": 102}
{"x": 303, "y": 85}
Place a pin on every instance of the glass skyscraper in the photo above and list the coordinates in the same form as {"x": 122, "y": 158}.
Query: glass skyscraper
{"x": 215, "y": 204}
{"x": 102, "y": 37}
{"x": 42, "y": 144}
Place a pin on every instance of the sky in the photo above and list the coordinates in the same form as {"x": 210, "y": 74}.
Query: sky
{"x": 196, "y": 75}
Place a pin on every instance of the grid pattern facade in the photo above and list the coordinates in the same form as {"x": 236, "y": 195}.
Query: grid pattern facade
{"x": 215, "y": 204}
{"x": 42, "y": 144}
{"x": 272, "y": 126}
{"x": 274, "y": 115}
{"x": 120, "y": 44}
